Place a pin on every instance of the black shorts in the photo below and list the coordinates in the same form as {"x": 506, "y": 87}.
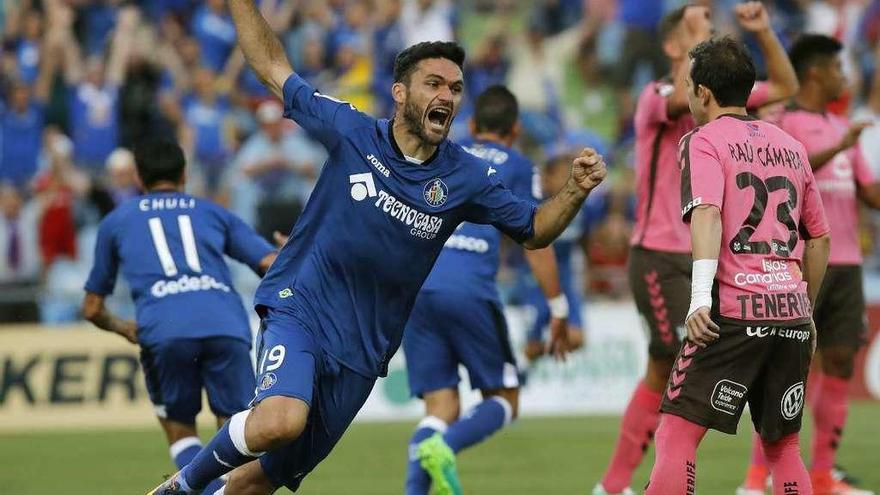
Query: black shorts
{"x": 661, "y": 286}
{"x": 840, "y": 314}
{"x": 763, "y": 366}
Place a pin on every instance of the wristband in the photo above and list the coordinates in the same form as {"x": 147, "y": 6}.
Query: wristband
{"x": 702, "y": 278}
{"x": 558, "y": 306}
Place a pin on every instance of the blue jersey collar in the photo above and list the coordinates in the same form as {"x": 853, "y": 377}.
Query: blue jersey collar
{"x": 388, "y": 136}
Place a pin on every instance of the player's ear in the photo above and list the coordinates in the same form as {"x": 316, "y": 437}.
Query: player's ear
{"x": 516, "y": 130}
{"x": 705, "y": 95}
{"x": 398, "y": 92}
{"x": 671, "y": 48}
{"x": 814, "y": 72}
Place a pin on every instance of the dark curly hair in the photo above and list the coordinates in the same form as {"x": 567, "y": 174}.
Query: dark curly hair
{"x": 407, "y": 60}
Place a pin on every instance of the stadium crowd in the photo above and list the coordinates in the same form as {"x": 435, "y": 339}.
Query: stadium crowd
{"x": 82, "y": 80}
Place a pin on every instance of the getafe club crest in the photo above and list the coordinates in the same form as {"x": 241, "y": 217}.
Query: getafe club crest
{"x": 436, "y": 193}
{"x": 268, "y": 380}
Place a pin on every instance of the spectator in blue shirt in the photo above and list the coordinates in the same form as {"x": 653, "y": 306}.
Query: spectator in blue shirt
{"x": 93, "y": 94}
{"x": 213, "y": 28}
{"x": 22, "y": 118}
{"x": 27, "y": 49}
{"x": 277, "y": 165}
{"x": 207, "y": 124}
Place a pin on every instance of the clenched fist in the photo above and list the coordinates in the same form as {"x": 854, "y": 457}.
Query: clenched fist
{"x": 588, "y": 170}
{"x": 752, "y": 16}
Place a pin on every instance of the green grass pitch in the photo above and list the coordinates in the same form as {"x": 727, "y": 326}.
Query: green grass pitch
{"x": 558, "y": 456}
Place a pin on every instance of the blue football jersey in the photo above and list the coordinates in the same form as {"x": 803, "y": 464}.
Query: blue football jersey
{"x": 373, "y": 227}
{"x": 170, "y": 247}
{"x": 470, "y": 259}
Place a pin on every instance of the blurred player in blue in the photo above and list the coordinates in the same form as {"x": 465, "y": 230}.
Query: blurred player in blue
{"x": 553, "y": 177}
{"x": 335, "y": 302}
{"x": 458, "y": 317}
{"x": 191, "y": 325}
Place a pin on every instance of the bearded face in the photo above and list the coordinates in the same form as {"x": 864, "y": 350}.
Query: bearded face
{"x": 432, "y": 99}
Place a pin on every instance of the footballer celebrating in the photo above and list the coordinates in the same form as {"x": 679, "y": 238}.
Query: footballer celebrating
{"x": 748, "y": 191}
{"x": 660, "y": 261}
{"x": 335, "y": 302}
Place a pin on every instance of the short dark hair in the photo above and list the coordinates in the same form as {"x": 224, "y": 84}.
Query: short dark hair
{"x": 810, "y": 50}
{"x": 407, "y": 60}
{"x": 671, "y": 21}
{"x": 724, "y": 66}
{"x": 159, "y": 160}
{"x": 496, "y": 110}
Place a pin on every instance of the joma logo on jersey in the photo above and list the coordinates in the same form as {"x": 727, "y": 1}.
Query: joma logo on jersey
{"x": 424, "y": 226}
{"x": 378, "y": 165}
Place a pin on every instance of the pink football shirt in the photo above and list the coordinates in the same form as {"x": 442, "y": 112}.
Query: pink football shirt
{"x": 837, "y": 180}
{"x": 761, "y": 180}
{"x": 658, "y": 223}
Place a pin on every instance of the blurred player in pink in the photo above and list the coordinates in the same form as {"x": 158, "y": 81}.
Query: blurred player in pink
{"x": 660, "y": 260}
{"x": 843, "y": 178}
{"x": 748, "y": 191}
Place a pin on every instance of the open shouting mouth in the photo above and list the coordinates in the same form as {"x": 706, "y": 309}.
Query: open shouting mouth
{"x": 439, "y": 118}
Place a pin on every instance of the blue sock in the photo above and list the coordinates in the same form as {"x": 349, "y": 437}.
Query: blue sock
{"x": 417, "y": 480}
{"x": 483, "y": 420}
{"x": 213, "y": 487}
{"x": 184, "y": 450}
{"x": 220, "y": 456}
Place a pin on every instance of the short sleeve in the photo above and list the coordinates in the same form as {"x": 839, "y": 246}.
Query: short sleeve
{"x": 243, "y": 243}
{"x": 497, "y": 205}
{"x": 813, "y": 222}
{"x": 325, "y": 118}
{"x": 863, "y": 174}
{"x": 702, "y": 174}
{"x": 102, "y": 278}
{"x": 759, "y": 96}
{"x": 652, "y": 106}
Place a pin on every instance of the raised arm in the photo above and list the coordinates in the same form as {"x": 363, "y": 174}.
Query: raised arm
{"x": 14, "y": 15}
{"x": 73, "y": 61}
{"x": 49, "y": 59}
{"x": 260, "y": 46}
{"x": 94, "y": 310}
{"x": 553, "y": 216}
{"x": 123, "y": 41}
{"x": 782, "y": 82}
{"x": 694, "y": 30}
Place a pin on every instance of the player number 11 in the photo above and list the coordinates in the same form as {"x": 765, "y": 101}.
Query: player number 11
{"x": 190, "y": 251}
